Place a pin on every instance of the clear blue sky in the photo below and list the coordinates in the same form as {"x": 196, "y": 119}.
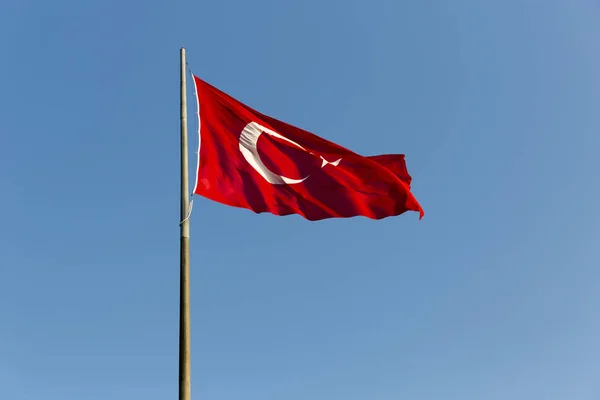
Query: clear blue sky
{"x": 493, "y": 295}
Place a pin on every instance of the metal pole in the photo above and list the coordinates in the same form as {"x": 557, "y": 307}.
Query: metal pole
{"x": 184, "y": 250}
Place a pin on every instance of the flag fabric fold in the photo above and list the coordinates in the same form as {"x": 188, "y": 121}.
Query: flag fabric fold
{"x": 253, "y": 161}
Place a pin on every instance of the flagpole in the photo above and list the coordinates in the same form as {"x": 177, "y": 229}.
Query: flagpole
{"x": 184, "y": 249}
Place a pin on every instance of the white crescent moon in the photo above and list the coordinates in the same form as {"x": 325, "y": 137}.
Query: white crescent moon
{"x": 248, "y": 141}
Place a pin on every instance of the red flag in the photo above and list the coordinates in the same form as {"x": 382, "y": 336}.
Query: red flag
{"x": 253, "y": 161}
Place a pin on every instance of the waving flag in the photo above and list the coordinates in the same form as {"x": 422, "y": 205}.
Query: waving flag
{"x": 250, "y": 160}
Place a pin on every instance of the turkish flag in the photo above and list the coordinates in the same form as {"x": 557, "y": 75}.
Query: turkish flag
{"x": 250, "y": 160}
